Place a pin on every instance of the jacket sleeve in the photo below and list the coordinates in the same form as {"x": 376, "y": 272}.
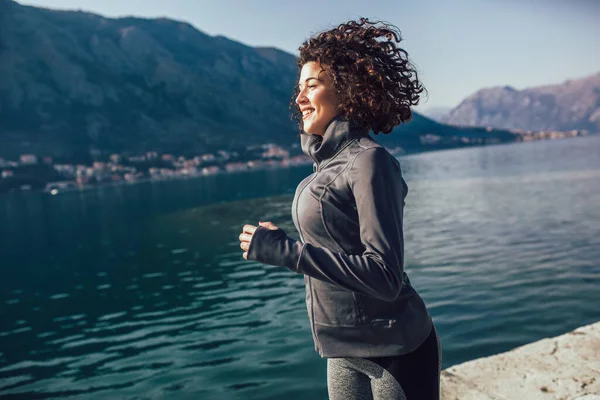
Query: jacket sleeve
{"x": 376, "y": 182}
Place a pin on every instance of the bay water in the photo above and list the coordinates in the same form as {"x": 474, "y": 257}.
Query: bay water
{"x": 141, "y": 291}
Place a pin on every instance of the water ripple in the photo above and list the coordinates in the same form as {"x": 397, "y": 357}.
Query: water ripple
{"x": 167, "y": 306}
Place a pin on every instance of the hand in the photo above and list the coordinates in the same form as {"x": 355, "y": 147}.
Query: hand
{"x": 248, "y": 233}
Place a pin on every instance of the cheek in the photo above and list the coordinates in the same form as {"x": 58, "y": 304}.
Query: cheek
{"x": 332, "y": 104}
{"x": 326, "y": 104}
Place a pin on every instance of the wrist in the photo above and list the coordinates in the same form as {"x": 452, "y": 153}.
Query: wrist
{"x": 274, "y": 247}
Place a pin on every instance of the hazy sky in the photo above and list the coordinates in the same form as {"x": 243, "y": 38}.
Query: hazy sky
{"x": 458, "y": 46}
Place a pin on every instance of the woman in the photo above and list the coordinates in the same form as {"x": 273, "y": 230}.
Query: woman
{"x": 366, "y": 318}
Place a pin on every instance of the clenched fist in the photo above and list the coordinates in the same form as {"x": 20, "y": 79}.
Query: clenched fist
{"x": 248, "y": 232}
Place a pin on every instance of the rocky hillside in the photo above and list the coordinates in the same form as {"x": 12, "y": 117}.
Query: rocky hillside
{"x": 574, "y": 104}
{"x": 82, "y": 83}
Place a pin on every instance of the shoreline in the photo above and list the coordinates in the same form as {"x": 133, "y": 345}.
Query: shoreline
{"x": 70, "y": 186}
{"x": 565, "y": 367}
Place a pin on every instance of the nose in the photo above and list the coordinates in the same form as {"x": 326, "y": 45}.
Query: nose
{"x": 301, "y": 98}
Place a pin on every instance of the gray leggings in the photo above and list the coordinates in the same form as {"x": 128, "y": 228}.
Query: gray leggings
{"x": 411, "y": 376}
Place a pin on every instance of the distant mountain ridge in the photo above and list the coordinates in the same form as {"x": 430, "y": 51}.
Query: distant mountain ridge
{"x": 574, "y": 104}
{"x": 81, "y": 82}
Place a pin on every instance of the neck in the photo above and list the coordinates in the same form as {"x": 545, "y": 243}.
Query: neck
{"x": 338, "y": 132}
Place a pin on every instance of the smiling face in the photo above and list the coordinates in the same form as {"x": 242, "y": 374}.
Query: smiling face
{"x": 317, "y": 100}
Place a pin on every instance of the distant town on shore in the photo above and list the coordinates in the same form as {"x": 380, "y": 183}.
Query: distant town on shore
{"x": 37, "y": 172}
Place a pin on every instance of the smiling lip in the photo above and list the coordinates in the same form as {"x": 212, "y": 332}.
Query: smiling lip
{"x": 310, "y": 112}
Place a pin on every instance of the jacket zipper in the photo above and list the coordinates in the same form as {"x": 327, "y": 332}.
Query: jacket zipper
{"x": 319, "y": 167}
{"x": 310, "y": 291}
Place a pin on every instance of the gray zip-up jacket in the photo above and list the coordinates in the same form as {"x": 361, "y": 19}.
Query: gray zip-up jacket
{"x": 349, "y": 215}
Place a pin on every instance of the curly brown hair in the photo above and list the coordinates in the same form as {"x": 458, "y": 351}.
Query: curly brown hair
{"x": 375, "y": 82}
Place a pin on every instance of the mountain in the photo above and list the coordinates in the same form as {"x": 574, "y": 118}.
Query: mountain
{"x": 82, "y": 83}
{"x": 79, "y": 80}
{"x": 574, "y": 104}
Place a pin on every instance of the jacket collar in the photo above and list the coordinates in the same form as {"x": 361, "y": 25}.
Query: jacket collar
{"x": 338, "y": 132}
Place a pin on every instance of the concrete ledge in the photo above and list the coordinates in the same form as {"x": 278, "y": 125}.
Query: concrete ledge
{"x": 566, "y": 367}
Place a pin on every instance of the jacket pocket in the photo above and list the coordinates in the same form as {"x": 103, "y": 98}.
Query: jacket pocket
{"x": 334, "y": 306}
{"x": 380, "y": 312}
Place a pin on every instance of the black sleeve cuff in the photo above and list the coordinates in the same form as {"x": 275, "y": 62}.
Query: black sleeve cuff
{"x": 274, "y": 247}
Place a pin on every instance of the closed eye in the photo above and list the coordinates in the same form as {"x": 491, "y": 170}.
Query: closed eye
{"x": 308, "y": 86}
